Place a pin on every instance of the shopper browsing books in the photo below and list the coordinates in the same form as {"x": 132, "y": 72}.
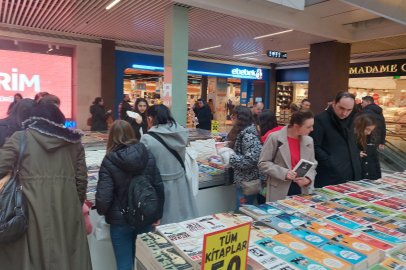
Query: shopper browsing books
{"x": 364, "y": 128}
{"x": 140, "y": 123}
{"x": 336, "y": 151}
{"x": 282, "y": 151}
{"x": 203, "y": 115}
{"x": 54, "y": 179}
{"x": 243, "y": 154}
{"x": 125, "y": 159}
{"x": 167, "y": 141}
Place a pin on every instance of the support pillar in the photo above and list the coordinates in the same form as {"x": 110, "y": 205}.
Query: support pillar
{"x": 328, "y": 72}
{"x": 176, "y": 60}
{"x": 272, "y": 88}
{"x": 108, "y": 75}
{"x": 204, "y": 87}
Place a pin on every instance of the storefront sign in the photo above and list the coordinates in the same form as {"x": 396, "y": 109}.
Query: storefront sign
{"x": 214, "y": 126}
{"x": 275, "y": 54}
{"x": 389, "y": 68}
{"x": 226, "y": 249}
{"x": 250, "y": 73}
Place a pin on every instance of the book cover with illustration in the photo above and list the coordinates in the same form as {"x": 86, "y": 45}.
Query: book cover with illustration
{"x": 324, "y": 209}
{"x": 291, "y": 219}
{"x": 320, "y": 229}
{"x": 364, "y": 197}
{"x": 394, "y": 225}
{"x": 327, "y": 259}
{"x": 281, "y": 207}
{"x": 383, "y": 236}
{"x": 174, "y": 233}
{"x": 375, "y": 211}
{"x": 309, "y": 237}
{"x": 360, "y": 221}
{"x": 303, "y": 216}
{"x": 276, "y": 248}
{"x": 388, "y": 205}
{"x": 333, "y": 205}
{"x": 398, "y": 255}
{"x": 314, "y": 196}
{"x": 270, "y": 209}
{"x": 347, "y": 202}
{"x": 211, "y": 223}
{"x": 265, "y": 258}
{"x": 292, "y": 204}
{"x": 227, "y": 219}
{"x": 240, "y": 216}
{"x": 386, "y": 230}
{"x": 302, "y": 262}
{"x": 292, "y": 242}
{"x": 171, "y": 259}
{"x": 153, "y": 241}
{"x": 317, "y": 216}
{"x": 363, "y": 216}
{"x": 302, "y": 200}
{"x": 191, "y": 250}
{"x": 394, "y": 264}
{"x": 344, "y": 253}
{"x": 264, "y": 229}
{"x": 194, "y": 228}
{"x": 356, "y": 245}
{"x": 278, "y": 224}
{"x": 348, "y": 224}
{"x": 303, "y": 167}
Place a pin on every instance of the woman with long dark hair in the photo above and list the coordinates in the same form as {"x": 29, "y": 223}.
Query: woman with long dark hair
{"x": 125, "y": 159}
{"x": 139, "y": 125}
{"x": 242, "y": 153}
{"x": 364, "y": 127}
{"x": 267, "y": 124}
{"x": 167, "y": 141}
{"x": 17, "y": 97}
{"x": 99, "y": 116}
{"x": 282, "y": 152}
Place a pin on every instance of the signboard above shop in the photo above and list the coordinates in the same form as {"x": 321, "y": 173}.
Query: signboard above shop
{"x": 276, "y": 54}
{"x": 388, "y": 68}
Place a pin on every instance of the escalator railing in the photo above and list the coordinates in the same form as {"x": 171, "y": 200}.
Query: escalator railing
{"x": 392, "y": 158}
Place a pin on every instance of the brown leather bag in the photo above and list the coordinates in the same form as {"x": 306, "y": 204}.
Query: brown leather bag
{"x": 89, "y": 121}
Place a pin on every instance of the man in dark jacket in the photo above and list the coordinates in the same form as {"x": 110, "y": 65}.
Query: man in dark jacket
{"x": 204, "y": 115}
{"x": 124, "y": 107}
{"x": 256, "y": 110}
{"x": 369, "y": 107}
{"x": 334, "y": 143}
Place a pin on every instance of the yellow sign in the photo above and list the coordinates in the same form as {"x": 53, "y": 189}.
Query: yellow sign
{"x": 214, "y": 126}
{"x": 226, "y": 249}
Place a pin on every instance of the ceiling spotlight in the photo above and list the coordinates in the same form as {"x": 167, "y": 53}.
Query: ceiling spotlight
{"x": 209, "y": 48}
{"x": 274, "y": 34}
{"x": 112, "y": 4}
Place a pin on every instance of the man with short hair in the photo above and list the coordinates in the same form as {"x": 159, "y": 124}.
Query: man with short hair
{"x": 305, "y": 103}
{"x": 335, "y": 148}
{"x": 256, "y": 110}
{"x": 369, "y": 107}
{"x": 124, "y": 107}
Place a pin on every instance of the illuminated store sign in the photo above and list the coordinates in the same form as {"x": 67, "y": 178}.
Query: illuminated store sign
{"x": 235, "y": 73}
{"x": 388, "y": 68}
{"x": 275, "y": 54}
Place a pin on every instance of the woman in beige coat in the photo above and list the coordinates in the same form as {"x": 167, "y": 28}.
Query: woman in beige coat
{"x": 282, "y": 151}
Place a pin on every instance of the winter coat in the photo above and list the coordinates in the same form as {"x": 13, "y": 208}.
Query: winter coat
{"x": 180, "y": 204}
{"x": 336, "y": 151}
{"x": 370, "y": 166}
{"x": 7, "y": 128}
{"x": 136, "y": 127}
{"x": 204, "y": 116}
{"x": 116, "y": 172}
{"x": 124, "y": 107}
{"x": 380, "y": 130}
{"x": 54, "y": 179}
{"x": 245, "y": 160}
{"x": 277, "y": 185}
{"x": 99, "y": 118}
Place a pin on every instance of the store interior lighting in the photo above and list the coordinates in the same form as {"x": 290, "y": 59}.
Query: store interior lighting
{"x": 204, "y": 49}
{"x": 282, "y": 32}
{"x": 112, "y": 4}
{"x": 245, "y": 54}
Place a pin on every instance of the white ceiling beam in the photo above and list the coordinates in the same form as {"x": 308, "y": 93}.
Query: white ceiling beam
{"x": 298, "y": 21}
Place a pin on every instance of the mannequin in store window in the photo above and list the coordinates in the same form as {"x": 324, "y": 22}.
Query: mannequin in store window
{"x": 140, "y": 124}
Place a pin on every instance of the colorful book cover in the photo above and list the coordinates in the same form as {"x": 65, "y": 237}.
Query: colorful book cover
{"x": 227, "y": 219}
{"x": 356, "y": 219}
{"x": 302, "y": 262}
{"x": 276, "y": 248}
{"x": 256, "y": 236}
{"x": 293, "y": 220}
{"x": 270, "y": 209}
{"x": 376, "y": 195}
{"x": 265, "y": 258}
{"x": 174, "y": 233}
{"x": 361, "y": 184}
{"x": 154, "y": 241}
{"x": 343, "y": 252}
{"x": 395, "y": 202}
{"x": 264, "y": 229}
{"x": 394, "y": 264}
{"x": 398, "y": 255}
{"x": 383, "y": 236}
{"x": 326, "y": 259}
{"x": 336, "y": 219}
{"x": 352, "y": 187}
{"x": 314, "y": 215}
{"x": 314, "y": 196}
{"x": 401, "y": 200}
{"x": 171, "y": 259}
{"x": 321, "y": 230}
{"x": 211, "y": 223}
{"x": 401, "y": 217}
{"x": 240, "y": 216}
{"x": 257, "y": 211}
{"x": 292, "y": 204}
{"x": 324, "y": 209}
{"x": 375, "y": 211}
{"x": 253, "y": 264}
{"x": 309, "y": 237}
{"x": 363, "y": 216}
{"x": 282, "y": 207}
{"x": 386, "y": 230}
{"x": 332, "y": 205}
{"x": 325, "y": 192}
{"x": 389, "y": 205}
{"x": 394, "y": 225}
{"x": 292, "y": 242}
{"x": 302, "y": 200}
{"x": 345, "y": 203}
{"x": 337, "y": 189}
{"x": 194, "y": 228}
{"x": 192, "y": 249}
{"x": 378, "y": 267}
{"x": 303, "y": 216}
{"x": 278, "y": 224}
{"x": 355, "y": 244}
{"x": 362, "y": 197}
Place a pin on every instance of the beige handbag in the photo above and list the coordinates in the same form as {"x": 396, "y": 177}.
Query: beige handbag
{"x": 251, "y": 188}
{"x": 4, "y": 181}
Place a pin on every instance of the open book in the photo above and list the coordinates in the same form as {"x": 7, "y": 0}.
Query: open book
{"x": 302, "y": 167}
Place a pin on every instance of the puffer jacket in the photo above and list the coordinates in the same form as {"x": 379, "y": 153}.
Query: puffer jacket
{"x": 116, "y": 172}
{"x": 247, "y": 149}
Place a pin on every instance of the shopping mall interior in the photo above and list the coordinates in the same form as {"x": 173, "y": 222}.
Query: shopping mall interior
{"x": 232, "y": 53}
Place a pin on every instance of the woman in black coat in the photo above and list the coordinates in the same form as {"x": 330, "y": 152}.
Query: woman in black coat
{"x": 17, "y": 98}
{"x": 204, "y": 115}
{"x": 364, "y": 128}
{"x": 141, "y": 123}
{"x": 125, "y": 158}
{"x": 99, "y": 116}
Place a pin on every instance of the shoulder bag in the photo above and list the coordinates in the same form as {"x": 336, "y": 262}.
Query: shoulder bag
{"x": 13, "y": 205}
{"x": 176, "y": 155}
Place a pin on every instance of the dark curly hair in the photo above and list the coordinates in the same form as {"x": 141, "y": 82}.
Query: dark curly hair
{"x": 244, "y": 119}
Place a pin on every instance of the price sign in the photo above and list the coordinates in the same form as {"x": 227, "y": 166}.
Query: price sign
{"x": 226, "y": 249}
{"x": 214, "y": 126}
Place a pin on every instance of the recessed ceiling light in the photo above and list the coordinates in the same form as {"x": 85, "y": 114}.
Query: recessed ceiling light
{"x": 402, "y": 90}
{"x": 112, "y": 4}
{"x": 274, "y": 34}
{"x": 209, "y": 48}
{"x": 245, "y": 54}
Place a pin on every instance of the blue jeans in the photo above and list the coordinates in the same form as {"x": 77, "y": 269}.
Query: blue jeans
{"x": 243, "y": 199}
{"x": 123, "y": 239}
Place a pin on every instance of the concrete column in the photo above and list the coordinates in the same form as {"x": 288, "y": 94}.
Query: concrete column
{"x": 328, "y": 72}
{"x": 108, "y": 75}
{"x": 204, "y": 87}
{"x": 272, "y": 88}
{"x": 176, "y": 59}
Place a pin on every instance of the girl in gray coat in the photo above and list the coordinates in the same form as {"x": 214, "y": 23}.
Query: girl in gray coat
{"x": 180, "y": 204}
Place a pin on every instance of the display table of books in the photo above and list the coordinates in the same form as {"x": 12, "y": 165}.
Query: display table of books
{"x": 357, "y": 225}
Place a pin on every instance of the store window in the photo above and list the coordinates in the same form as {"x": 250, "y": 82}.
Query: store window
{"x": 28, "y": 68}
{"x": 289, "y": 93}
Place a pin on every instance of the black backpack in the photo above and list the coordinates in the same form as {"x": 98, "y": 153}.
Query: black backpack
{"x": 143, "y": 203}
